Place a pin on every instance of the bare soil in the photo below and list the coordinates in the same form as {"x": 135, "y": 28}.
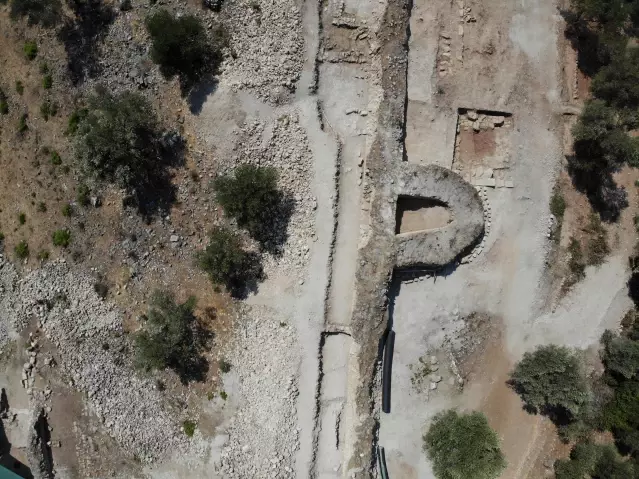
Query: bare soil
{"x": 421, "y": 214}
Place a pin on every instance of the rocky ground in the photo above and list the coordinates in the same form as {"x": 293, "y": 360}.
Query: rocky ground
{"x": 261, "y": 109}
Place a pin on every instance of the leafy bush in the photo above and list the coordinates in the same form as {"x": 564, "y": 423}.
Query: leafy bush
{"x": 620, "y": 356}
{"x": 250, "y": 197}
{"x": 594, "y": 461}
{"x": 463, "y": 446}
{"x": 82, "y": 195}
{"x": 30, "y": 50}
{"x": 226, "y": 262}
{"x": 44, "y": 12}
{"x": 76, "y": 117}
{"x": 597, "y": 246}
{"x": 22, "y": 250}
{"x": 4, "y": 105}
{"x": 170, "y": 338}
{"x": 557, "y": 205}
{"x": 67, "y": 210}
{"x": 180, "y": 46}
{"x": 117, "y": 140}
{"x": 551, "y": 381}
{"x": 19, "y": 87}
{"x": 48, "y": 109}
{"x": 42, "y": 207}
{"x": 47, "y": 81}
{"x": 618, "y": 85}
{"x": 576, "y": 262}
{"x": 55, "y": 158}
{"x": 22, "y": 218}
{"x": 22, "y": 124}
{"x": 224, "y": 366}
{"x": 61, "y": 238}
{"x": 189, "y": 427}
{"x": 43, "y": 255}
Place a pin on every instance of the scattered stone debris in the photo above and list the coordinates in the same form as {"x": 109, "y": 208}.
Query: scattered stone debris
{"x": 265, "y": 426}
{"x": 76, "y": 320}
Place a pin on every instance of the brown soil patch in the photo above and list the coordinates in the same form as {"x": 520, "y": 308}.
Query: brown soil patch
{"x": 475, "y": 145}
{"x": 529, "y": 442}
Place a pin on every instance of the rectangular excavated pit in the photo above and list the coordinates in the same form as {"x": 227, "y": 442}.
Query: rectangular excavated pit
{"x": 420, "y": 214}
{"x": 482, "y": 147}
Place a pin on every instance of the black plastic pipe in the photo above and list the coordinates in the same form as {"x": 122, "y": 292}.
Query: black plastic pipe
{"x": 381, "y": 456}
{"x": 387, "y": 371}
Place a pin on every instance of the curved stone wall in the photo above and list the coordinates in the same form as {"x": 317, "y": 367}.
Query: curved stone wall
{"x": 438, "y": 247}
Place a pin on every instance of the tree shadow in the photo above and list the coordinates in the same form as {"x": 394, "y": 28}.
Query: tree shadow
{"x": 594, "y": 50}
{"x": 7, "y": 460}
{"x": 198, "y": 94}
{"x": 633, "y": 288}
{"x": 240, "y": 287}
{"x": 82, "y": 35}
{"x": 272, "y": 233}
{"x": 154, "y": 192}
{"x": 604, "y": 195}
{"x": 559, "y": 415}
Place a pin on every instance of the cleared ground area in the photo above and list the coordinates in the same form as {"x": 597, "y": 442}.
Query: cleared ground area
{"x": 503, "y": 58}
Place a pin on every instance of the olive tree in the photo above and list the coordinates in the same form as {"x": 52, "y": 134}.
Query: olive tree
{"x": 463, "y": 446}
{"x": 550, "y": 380}
{"x": 170, "y": 338}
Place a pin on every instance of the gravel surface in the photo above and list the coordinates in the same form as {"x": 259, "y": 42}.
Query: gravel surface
{"x": 263, "y": 435}
{"x": 80, "y": 324}
{"x": 268, "y": 49}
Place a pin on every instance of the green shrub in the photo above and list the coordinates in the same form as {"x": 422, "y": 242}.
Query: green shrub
{"x": 181, "y": 47}
{"x": 224, "y": 366}
{"x": 43, "y": 255}
{"x": 463, "y": 446}
{"x": 22, "y": 250}
{"x": 250, "y": 197}
{"x": 594, "y": 461}
{"x": 67, "y": 210}
{"x": 48, "y": 109}
{"x": 117, "y": 141}
{"x": 47, "y": 81}
{"x": 224, "y": 395}
{"x": 168, "y": 338}
{"x": 30, "y": 50}
{"x": 226, "y": 262}
{"x": 22, "y": 123}
{"x": 61, "y": 238}
{"x": 44, "y": 12}
{"x": 576, "y": 261}
{"x": 4, "y": 105}
{"x": 189, "y": 427}
{"x": 551, "y": 381}
{"x": 42, "y": 207}
{"x": 597, "y": 246}
{"x": 22, "y": 218}
{"x": 557, "y": 205}
{"x": 82, "y": 195}
{"x": 1, "y": 236}
{"x": 620, "y": 356}
{"x": 76, "y": 117}
{"x": 19, "y": 87}
{"x": 55, "y": 158}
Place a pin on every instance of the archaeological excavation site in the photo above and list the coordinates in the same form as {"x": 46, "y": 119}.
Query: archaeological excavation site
{"x": 323, "y": 239}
